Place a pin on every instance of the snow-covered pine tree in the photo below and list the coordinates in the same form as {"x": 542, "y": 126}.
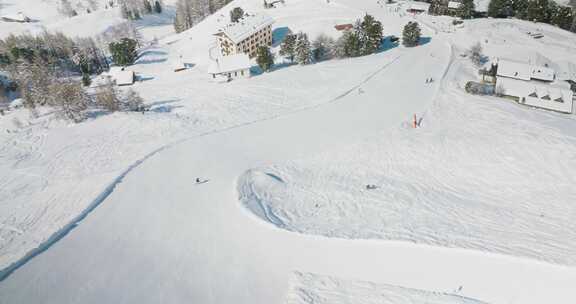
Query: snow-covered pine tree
{"x": 466, "y": 9}
{"x": 323, "y": 47}
{"x": 371, "y": 35}
{"x": 147, "y": 6}
{"x": 411, "y": 34}
{"x": 157, "y": 7}
{"x": 287, "y": 47}
{"x": 264, "y": 58}
{"x": 303, "y": 49}
{"x": 236, "y": 14}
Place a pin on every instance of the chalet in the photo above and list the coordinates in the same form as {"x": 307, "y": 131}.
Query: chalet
{"x": 533, "y": 86}
{"x": 344, "y": 27}
{"x": 417, "y": 8}
{"x": 230, "y": 67}
{"x": 20, "y": 17}
{"x": 122, "y": 77}
{"x": 453, "y": 7}
{"x": 246, "y": 35}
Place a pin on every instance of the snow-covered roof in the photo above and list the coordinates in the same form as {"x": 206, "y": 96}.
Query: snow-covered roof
{"x": 554, "y": 96}
{"x": 419, "y": 6}
{"x": 542, "y": 73}
{"x": 121, "y": 76}
{"x": 19, "y": 17}
{"x": 524, "y": 71}
{"x": 454, "y": 4}
{"x": 513, "y": 69}
{"x": 232, "y": 63}
{"x": 249, "y": 24}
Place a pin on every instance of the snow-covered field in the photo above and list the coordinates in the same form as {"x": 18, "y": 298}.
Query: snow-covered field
{"x": 52, "y": 171}
{"x": 308, "y": 288}
{"x": 479, "y": 173}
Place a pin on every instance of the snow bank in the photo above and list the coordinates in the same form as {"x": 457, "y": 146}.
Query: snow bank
{"x": 310, "y": 288}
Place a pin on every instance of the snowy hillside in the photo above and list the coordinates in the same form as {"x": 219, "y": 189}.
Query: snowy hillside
{"x": 190, "y": 201}
{"x": 480, "y": 173}
{"x": 52, "y": 172}
{"x": 318, "y": 289}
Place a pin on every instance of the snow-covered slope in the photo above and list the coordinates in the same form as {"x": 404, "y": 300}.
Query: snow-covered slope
{"x": 52, "y": 172}
{"x": 480, "y": 173}
{"x": 310, "y": 288}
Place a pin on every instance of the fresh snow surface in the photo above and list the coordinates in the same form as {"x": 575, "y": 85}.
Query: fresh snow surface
{"x": 480, "y": 173}
{"x": 107, "y": 210}
{"x": 310, "y": 288}
{"x": 52, "y": 172}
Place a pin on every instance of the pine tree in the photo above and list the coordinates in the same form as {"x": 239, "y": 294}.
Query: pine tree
{"x": 348, "y": 45}
{"x": 303, "y": 49}
{"x": 371, "y": 35}
{"x": 236, "y": 14}
{"x": 287, "y": 48}
{"x": 157, "y": 7}
{"x": 124, "y": 52}
{"x": 466, "y": 9}
{"x": 562, "y": 17}
{"x": 500, "y": 8}
{"x": 323, "y": 47}
{"x": 411, "y": 34}
{"x": 264, "y": 58}
{"x": 538, "y": 11}
{"x": 437, "y": 8}
{"x": 573, "y": 26}
{"x": 147, "y": 6}
{"x": 519, "y": 8}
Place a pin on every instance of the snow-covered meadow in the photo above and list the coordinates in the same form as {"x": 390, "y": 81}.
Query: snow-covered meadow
{"x": 321, "y": 289}
{"x": 53, "y": 172}
{"x": 480, "y": 173}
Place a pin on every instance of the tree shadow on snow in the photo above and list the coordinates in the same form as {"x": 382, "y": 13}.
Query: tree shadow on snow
{"x": 388, "y": 44}
{"x": 279, "y": 34}
{"x": 424, "y": 40}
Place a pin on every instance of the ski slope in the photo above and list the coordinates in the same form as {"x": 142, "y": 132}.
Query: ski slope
{"x": 147, "y": 233}
{"x": 314, "y": 288}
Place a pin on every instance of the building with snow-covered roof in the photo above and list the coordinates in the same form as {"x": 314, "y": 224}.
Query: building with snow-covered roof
{"x": 231, "y": 67}
{"x": 246, "y": 35}
{"x": 454, "y": 5}
{"x": 554, "y": 96}
{"x": 122, "y": 77}
{"x": 524, "y": 71}
{"x": 534, "y": 86}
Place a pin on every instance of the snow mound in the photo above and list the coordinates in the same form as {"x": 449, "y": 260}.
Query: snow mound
{"x": 309, "y": 288}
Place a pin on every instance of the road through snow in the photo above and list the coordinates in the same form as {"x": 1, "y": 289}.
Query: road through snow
{"x": 159, "y": 238}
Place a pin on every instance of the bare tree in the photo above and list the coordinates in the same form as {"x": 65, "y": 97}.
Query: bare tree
{"x": 107, "y": 97}
{"x": 133, "y": 102}
{"x": 70, "y": 99}
{"x": 476, "y": 55}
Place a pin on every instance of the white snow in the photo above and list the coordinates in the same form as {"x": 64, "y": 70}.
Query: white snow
{"x": 310, "y": 288}
{"x": 481, "y": 173}
{"x": 227, "y": 64}
{"x": 107, "y": 211}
